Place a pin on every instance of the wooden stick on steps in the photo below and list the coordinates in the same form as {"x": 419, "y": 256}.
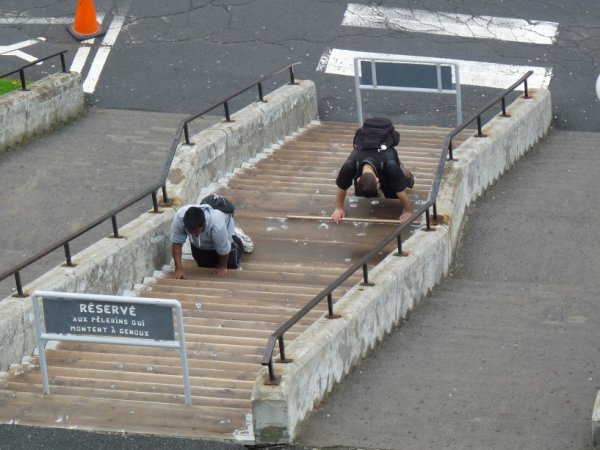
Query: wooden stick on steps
{"x": 347, "y": 219}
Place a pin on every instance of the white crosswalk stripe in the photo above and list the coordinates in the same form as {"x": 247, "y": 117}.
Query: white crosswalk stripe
{"x": 451, "y": 24}
{"x": 108, "y": 42}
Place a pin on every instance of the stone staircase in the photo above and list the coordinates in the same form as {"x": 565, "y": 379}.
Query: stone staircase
{"x": 227, "y": 320}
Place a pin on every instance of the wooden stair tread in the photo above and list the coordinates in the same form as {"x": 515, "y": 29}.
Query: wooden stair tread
{"x": 116, "y": 415}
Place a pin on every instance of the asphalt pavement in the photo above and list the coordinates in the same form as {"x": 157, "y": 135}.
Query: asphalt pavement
{"x": 182, "y": 56}
{"x": 16, "y": 437}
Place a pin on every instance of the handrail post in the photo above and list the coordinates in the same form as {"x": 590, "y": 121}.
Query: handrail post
{"x": 186, "y": 133}
{"x": 165, "y": 195}
{"x": 22, "y": 77}
{"x": 68, "y": 254}
{"x": 435, "y": 214}
{"x": 330, "y": 305}
{"x": 450, "y": 151}
{"x": 272, "y": 376}
{"x": 115, "y": 227}
{"x": 227, "y": 116}
{"x": 260, "y": 92}
{"x": 399, "y": 243}
{"x": 155, "y": 202}
{"x": 62, "y": 62}
{"x": 292, "y": 79}
{"x": 428, "y": 219}
{"x": 365, "y": 270}
{"x": 504, "y": 107}
{"x": 479, "y": 133}
{"x": 526, "y": 90}
{"x": 19, "y": 284}
{"x": 281, "y": 349}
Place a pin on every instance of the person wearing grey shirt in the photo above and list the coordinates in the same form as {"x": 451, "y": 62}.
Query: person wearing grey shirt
{"x": 212, "y": 236}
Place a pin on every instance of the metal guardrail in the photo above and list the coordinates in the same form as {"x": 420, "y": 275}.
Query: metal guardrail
{"x": 152, "y": 190}
{"x": 447, "y": 152}
{"x": 278, "y": 335}
{"x": 184, "y": 127}
{"x": 21, "y": 71}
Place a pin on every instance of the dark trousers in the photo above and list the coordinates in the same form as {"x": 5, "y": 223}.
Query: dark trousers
{"x": 210, "y": 258}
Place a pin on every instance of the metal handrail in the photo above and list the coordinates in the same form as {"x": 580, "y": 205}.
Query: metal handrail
{"x": 162, "y": 184}
{"x": 225, "y": 102}
{"x": 278, "y": 335}
{"x": 184, "y": 126}
{"x": 65, "y": 242}
{"x": 447, "y": 151}
{"x": 21, "y": 70}
{"x": 328, "y": 292}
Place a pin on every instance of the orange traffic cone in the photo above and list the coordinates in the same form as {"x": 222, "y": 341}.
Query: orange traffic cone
{"x": 85, "y": 25}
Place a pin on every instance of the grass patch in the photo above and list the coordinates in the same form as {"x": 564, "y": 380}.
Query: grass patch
{"x": 8, "y": 85}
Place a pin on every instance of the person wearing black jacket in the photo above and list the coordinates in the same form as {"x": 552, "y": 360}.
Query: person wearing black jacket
{"x": 374, "y": 166}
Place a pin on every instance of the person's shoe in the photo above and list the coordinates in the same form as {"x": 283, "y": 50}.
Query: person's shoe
{"x": 246, "y": 241}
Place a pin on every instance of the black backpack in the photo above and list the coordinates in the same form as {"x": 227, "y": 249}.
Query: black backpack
{"x": 378, "y": 133}
{"x": 375, "y": 133}
{"x": 219, "y": 202}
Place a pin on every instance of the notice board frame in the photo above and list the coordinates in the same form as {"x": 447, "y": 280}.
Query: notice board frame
{"x": 381, "y": 62}
{"x": 43, "y": 336}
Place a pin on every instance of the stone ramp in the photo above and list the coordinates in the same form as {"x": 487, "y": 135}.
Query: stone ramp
{"x": 227, "y": 320}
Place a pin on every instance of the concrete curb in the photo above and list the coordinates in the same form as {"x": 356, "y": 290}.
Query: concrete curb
{"x": 114, "y": 265}
{"x": 329, "y": 348}
{"x": 47, "y": 103}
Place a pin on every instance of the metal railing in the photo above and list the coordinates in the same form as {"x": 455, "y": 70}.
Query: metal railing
{"x": 184, "y": 127}
{"x": 278, "y": 335}
{"x": 21, "y": 71}
{"x": 152, "y": 190}
{"x": 448, "y": 153}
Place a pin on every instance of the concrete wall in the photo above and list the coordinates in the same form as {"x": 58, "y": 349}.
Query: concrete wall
{"x": 596, "y": 422}
{"x": 55, "y": 99}
{"x": 114, "y": 265}
{"x": 329, "y": 348}
{"x": 225, "y": 146}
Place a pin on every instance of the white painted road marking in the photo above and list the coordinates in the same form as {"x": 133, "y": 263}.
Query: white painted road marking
{"x": 451, "y": 24}
{"x": 91, "y": 80}
{"x": 93, "y": 76}
{"x": 80, "y": 58}
{"x": 15, "y": 49}
{"x": 36, "y": 20}
{"x": 341, "y": 62}
{"x": 84, "y": 51}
